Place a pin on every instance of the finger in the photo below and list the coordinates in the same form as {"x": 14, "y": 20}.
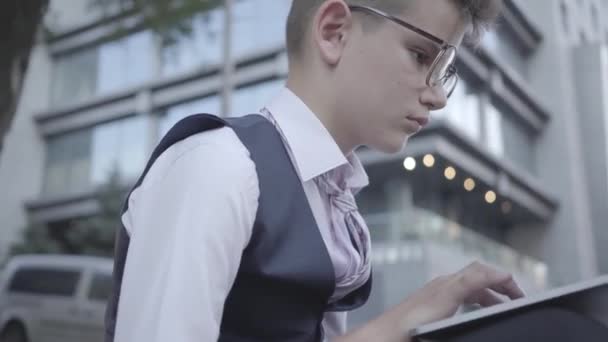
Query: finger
{"x": 477, "y": 277}
{"x": 499, "y": 281}
{"x": 509, "y": 288}
{"x": 485, "y": 298}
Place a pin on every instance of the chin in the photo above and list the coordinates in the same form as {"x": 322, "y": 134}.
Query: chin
{"x": 391, "y": 146}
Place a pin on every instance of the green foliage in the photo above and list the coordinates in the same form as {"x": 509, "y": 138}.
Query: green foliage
{"x": 169, "y": 19}
{"x": 95, "y": 235}
{"x": 35, "y": 240}
{"x": 85, "y": 236}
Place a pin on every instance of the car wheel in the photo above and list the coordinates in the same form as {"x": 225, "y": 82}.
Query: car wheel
{"x": 13, "y": 333}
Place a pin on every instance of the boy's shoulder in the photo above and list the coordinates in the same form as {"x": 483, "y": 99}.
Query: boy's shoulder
{"x": 202, "y": 150}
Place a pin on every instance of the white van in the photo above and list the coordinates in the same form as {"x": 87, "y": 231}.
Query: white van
{"x": 54, "y": 298}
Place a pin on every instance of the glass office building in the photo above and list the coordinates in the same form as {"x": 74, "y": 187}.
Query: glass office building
{"x": 514, "y": 171}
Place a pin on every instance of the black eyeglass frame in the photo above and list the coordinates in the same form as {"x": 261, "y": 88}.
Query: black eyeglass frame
{"x": 443, "y": 45}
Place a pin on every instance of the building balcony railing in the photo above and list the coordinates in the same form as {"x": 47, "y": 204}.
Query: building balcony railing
{"x": 407, "y": 235}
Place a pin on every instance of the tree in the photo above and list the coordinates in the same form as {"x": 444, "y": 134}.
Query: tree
{"x": 20, "y": 20}
{"x": 36, "y": 240}
{"x": 95, "y": 235}
{"x": 169, "y": 19}
{"x": 85, "y": 236}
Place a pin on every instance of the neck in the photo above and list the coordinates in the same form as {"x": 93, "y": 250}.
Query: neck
{"x": 322, "y": 103}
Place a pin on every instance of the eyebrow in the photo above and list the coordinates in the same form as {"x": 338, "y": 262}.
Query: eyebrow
{"x": 427, "y": 45}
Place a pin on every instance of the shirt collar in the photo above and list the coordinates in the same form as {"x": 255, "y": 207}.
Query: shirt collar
{"x": 314, "y": 150}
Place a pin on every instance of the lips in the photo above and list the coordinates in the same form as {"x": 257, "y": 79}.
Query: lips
{"x": 421, "y": 120}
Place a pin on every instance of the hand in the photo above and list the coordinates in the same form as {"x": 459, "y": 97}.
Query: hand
{"x": 475, "y": 284}
{"x": 439, "y": 299}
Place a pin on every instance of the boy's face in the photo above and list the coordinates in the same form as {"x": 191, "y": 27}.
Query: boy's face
{"x": 380, "y": 78}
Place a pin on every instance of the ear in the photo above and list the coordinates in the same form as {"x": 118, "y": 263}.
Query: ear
{"x": 331, "y": 27}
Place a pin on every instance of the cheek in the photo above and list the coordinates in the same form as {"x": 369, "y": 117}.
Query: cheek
{"x": 400, "y": 82}
{"x": 367, "y": 80}
{"x": 377, "y": 87}
{"x": 399, "y": 92}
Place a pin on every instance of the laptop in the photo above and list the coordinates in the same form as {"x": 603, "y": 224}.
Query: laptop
{"x": 588, "y": 298}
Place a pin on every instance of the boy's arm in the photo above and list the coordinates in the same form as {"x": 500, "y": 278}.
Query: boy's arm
{"x": 188, "y": 225}
{"x": 475, "y": 284}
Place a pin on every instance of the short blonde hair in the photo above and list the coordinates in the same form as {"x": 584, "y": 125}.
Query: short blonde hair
{"x": 481, "y": 13}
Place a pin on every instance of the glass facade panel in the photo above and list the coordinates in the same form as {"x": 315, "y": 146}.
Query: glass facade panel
{"x": 67, "y": 162}
{"x": 75, "y": 77}
{"x": 132, "y": 153}
{"x": 211, "y": 105}
{"x": 494, "y": 131}
{"x": 252, "y": 98}
{"x": 503, "y": 45}
{"x": 204, "y": 46}
{"x": 58, "y": 164}
{"x": 126, "y": 62}
{"x": 104, "y": 68}
{"x": 518, "y": 139}
{"x": 463, "y": 110}
{"x": 105, "y": 143}
{"x": 79, "y": 160}
{"x": 118, "y": 146}
{"x": 258, "y": 25}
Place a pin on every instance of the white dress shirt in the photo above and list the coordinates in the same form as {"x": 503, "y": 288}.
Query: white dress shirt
{"x": 193, "y": 216}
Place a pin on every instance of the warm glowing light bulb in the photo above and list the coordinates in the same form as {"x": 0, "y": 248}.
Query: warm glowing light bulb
{"x": 409, "y": 163}
{"x": 490, "y": 197}
{"x": 449, "y": 173}
{"x": 469, "y": 184}
{"x": 428, "y": 160}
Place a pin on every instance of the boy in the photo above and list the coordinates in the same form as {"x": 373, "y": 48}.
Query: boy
{"x": 247, "y": 230}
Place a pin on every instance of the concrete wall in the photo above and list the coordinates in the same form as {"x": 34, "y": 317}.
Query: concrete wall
{"x": 590, "y": 74}
{"x": 22, "y": 159}
{"x": 64, "y": 15}
{"x": 565, "y": 242}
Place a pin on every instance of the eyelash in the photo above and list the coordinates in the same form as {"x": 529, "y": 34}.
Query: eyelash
{"x": 417, "y": 54}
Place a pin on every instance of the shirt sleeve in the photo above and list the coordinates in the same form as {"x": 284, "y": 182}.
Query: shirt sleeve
{"x": 334, "y": 324}
{"x": 188, "y": 226}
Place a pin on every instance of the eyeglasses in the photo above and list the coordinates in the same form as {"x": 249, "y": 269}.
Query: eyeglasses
{"x": 442, "y": 71}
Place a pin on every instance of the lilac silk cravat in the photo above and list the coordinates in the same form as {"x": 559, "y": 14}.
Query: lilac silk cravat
{"x": 349, "y": 231}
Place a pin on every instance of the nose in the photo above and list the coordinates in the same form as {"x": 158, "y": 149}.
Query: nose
{"x": 434, "y": 98}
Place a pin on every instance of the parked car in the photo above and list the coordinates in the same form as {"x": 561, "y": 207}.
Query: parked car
{"x": 54, "y": 298}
